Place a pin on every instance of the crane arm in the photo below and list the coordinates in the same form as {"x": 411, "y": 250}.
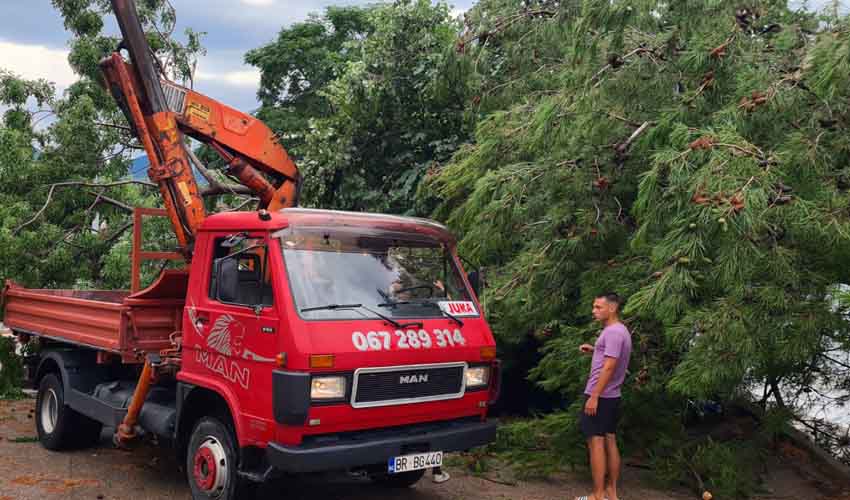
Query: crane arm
{"x": 161, "y": 113}
{"x": 137, "y": 90}
{"x": 247, "y": 145}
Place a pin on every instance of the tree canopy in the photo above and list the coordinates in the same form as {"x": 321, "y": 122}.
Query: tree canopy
{"x": 691, "y": 156}
{"x": 392, "y": 109}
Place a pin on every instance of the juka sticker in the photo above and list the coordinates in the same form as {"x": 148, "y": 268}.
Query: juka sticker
{"x": 459, "y": 308}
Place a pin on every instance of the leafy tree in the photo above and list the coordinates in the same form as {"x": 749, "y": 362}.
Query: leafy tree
{"x": 297, "y": 67}
{"x": 393, "y": 108}
{"x": 64, "y": 159}
{"x": 691, "y": 156}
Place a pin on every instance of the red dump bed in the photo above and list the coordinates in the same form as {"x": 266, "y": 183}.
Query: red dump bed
{"x": 114, "y": 321}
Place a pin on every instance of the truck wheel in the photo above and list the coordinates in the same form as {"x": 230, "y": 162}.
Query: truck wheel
{"x": 212, "y": 461}
{"x": 53, "y": 419}
{"x": 59, "y": 426}
{"x": 400, "y": 480}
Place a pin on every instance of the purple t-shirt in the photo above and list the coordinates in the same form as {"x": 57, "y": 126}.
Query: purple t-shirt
{"x": 615, "y": 341}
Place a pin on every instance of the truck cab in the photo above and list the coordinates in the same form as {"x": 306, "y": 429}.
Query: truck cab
{"x": 339, "y": 340}
{"x": 295, "y": 341}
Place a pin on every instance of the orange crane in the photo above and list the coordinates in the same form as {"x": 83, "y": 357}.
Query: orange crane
{"x": 161, "y": 113}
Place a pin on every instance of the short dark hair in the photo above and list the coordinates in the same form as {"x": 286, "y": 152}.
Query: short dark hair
{"x": 611, "y": 297}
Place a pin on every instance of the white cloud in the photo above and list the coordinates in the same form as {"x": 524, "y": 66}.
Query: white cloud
{"x": 37, "y": 61}
{"x": 260, "y": 3}
{"x": 238, "y": 78}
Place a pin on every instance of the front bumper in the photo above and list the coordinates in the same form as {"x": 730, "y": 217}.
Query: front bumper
{"x": 347, "y": 450}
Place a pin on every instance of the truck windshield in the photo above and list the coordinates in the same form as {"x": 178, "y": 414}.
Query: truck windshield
{"x": 338, "y": 274}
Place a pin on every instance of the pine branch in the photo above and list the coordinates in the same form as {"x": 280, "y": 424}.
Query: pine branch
{"x": 626, "y": 120}
{"x": 111, "y": 201}
{"x": 620, "y": 62}
{"x": 241, "y": 205}
{"x": 505, "y": 23}
{"x": 623, "y": 147}
{"x": 839, "y": 363}
{"x": 73, "y": 183}
{"x": 117, "y": 234}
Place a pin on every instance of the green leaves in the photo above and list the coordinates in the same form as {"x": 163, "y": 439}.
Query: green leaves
{"x": 670, "y": 152}
{"x": 57, "y": 235}
{"x": 368, "y": 99}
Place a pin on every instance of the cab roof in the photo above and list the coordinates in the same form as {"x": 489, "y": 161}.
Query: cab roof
{"x": 309, "y": 217}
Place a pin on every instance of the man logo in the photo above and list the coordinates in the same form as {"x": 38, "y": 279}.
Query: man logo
{"x": 413, "y": 379}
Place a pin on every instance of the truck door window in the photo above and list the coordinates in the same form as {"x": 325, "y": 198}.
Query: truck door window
{"x": 252, "y": 271}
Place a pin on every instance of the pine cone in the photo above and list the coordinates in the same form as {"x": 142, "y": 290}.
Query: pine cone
{"x": 704, "y": 142}
{"x": 737, "y": 202}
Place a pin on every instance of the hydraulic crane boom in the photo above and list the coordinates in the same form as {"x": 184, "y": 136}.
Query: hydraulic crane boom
{"x": 161, "y": 112}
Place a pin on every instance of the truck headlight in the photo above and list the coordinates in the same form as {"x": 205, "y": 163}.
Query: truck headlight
{"x": 477, "y": 377}
{"x": 323, "y": 388}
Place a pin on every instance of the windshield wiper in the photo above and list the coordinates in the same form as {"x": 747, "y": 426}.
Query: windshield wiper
{"x": 423, "y": 304}
{"x": 448, "y": 315}
{"x": 393, "y": 303}
{"x": 354, "y": 306}
{"x": 331, "y": 307}
{"x": 392, "y": 321}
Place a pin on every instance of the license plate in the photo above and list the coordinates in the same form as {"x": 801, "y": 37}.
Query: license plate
{"x": 415, "y": 461}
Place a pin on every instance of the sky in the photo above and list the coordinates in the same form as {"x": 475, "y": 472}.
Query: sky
{"x": 34, "y": 43}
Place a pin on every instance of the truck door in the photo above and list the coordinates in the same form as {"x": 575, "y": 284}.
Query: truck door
{"x": 237, "y": 321}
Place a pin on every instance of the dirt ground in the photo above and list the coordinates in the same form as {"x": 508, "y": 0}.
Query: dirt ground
{"x": 30, "y": 472}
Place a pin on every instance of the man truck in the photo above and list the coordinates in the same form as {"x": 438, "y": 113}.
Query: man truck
{"x": 292, "y": 340}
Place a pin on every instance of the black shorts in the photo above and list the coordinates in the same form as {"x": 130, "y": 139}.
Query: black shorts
{"x": 606, "y": 418}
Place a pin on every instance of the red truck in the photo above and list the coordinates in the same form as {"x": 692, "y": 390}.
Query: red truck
{"x": 294, "y": 340}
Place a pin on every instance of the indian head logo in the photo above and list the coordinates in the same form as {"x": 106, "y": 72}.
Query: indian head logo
{"x": 225, "y": 346}
{"x": 226, "y": 336}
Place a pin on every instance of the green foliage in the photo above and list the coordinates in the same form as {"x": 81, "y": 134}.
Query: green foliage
{"x": 55, "y": 233}
{"x": 731, "y": 468}
{"x": 673, "y": 153}
{"x": 540, "y": 447}
{"x": 298, "y": 65}
{"x": 11, "y": 370}
{"x": 84, "y": 19}
{"x": 385, "y": 95}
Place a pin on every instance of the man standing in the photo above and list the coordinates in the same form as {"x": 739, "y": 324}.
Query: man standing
{"x": 602, "y": 406}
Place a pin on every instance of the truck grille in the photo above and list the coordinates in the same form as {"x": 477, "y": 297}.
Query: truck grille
{"x": 175, "y": 97}
{"x": 407, "y": 384}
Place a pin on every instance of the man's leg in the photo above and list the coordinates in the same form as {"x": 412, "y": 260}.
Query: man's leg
{"x": 613, "y": 463}
{"x": 597, "y": 465}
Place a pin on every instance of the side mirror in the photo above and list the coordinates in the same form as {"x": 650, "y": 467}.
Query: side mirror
{"x": 475, "y": 281}
{"x": 227, "y": 278}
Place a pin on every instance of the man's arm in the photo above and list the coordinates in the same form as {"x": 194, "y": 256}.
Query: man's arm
{"x": 607, "y": 371}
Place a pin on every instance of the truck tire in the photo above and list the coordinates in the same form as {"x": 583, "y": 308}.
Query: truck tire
{"x": 401, "y": 480}
{"x": 58, "y": 426}
{"x": 212, "y": 462}
{"x": 52, "y": 417}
